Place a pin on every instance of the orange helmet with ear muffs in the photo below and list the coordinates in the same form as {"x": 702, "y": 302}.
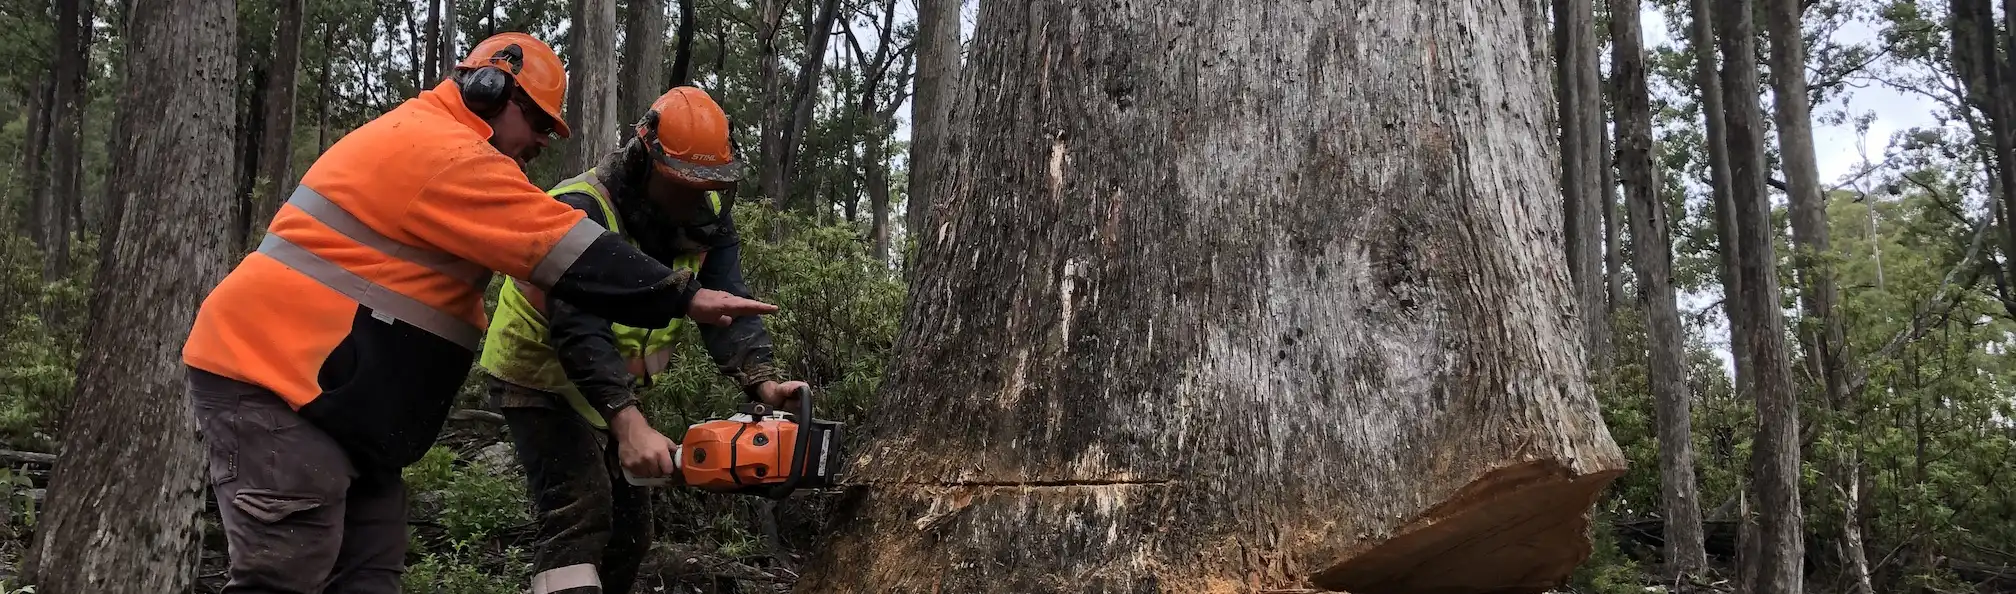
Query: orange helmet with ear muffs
{"x": 512, "y": 59}
{"x": 687, "y": 135}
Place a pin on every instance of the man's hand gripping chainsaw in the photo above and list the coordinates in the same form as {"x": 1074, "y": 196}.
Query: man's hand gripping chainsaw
{"x": 758, "y": 451}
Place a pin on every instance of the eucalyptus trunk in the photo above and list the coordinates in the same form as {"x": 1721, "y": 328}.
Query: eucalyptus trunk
{"x": 125, "y": 496}
{"x": 1390, "y": 402}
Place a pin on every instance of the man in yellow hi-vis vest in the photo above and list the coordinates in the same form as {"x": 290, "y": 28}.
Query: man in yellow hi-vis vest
{"x": 564, "y": 377}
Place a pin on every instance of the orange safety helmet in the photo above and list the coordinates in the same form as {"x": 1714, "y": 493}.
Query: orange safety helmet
{"x": 532, "y": 66}
{"x": 687, "y": 134}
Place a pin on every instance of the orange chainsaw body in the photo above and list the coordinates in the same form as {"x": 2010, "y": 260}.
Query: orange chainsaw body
{"x": 759, "y": 452}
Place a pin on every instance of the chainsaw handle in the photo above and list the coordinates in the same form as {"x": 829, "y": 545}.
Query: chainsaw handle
{"x": 800, "y": 450}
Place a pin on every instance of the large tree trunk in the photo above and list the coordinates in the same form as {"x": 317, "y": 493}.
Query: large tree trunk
{"x": 1652, "y": 244}
{"x": 1774, "y": 460}
{"x": 931, "y": 112}
{"x": 1580, "y": 95}
{"x": 1986, "y": 84}
{"x": 125, "y": 495}
{"x": 276, "y": 151}
{"x": 1826, "y": 346}
{"x": 643, "y": 58}
{"x": 1388, "y": 402}
{"x": 66, "y": 133}
{"x": 591, "y": 90}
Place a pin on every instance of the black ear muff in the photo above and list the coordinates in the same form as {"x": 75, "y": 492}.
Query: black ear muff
{"x": 484, "y": 90}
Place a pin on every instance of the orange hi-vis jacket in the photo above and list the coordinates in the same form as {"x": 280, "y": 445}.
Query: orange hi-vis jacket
{"x": 363, "y": 307}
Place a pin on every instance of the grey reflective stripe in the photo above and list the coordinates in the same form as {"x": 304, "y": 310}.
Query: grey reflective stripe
{"x": 564, "y": 253}
{"x": 382, "y": 301}
{"x": 329, "y": 213}
{"x": 579, "y": 575}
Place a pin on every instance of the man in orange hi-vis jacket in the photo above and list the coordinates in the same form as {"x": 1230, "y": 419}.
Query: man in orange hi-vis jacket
{"x": 327, "y": 361}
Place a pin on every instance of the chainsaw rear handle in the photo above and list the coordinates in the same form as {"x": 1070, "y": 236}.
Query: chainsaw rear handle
{"x": 802, "y": 449}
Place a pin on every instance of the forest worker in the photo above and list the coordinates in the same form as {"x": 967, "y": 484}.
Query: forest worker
{"x": 328, "y": 359}
{"x": 566, "y": 378}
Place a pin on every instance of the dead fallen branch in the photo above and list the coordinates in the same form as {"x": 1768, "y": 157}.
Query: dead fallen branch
{"x": 482, "y": 416}
{"x": 27, "y": 457}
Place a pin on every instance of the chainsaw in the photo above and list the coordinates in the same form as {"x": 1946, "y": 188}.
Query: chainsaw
{"x": 757, "y": 451}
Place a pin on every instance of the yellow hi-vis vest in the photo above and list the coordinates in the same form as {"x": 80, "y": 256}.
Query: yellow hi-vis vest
{"x": 518, "y": 348}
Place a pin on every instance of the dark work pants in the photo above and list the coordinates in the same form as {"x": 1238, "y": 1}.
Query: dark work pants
{"x": 594, "y": 527}
{"x": 297, "y": 518}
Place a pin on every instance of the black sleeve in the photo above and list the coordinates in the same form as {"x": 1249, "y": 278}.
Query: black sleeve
{"x": 740, "y": 350}
{"x": 614, "y": 280}
{"x": 585, "y": 343}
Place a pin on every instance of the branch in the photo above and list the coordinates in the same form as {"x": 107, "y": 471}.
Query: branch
{"x": 482, "y": 416}
{"x": 1918, "y": 327}
{"x": 27, "y": 457}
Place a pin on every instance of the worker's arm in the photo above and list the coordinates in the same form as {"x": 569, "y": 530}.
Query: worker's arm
{"x": 482, "y": 209}
{"x": 585, "y": 342}
{"x": 740, "y": 350}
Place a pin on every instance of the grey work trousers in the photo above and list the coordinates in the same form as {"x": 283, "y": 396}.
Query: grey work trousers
{"x": 298, "y": 518}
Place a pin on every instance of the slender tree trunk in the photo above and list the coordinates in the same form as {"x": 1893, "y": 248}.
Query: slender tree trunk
{"x": 322, "y": 88}
{"x": 1651, "y": 242}
{"x": 1826, "y": 345}
{"x": 430, "y": 67}
{"x": 1774, "y": 460}
{"x": 489, "y": 18}
{"x": 1987, "y": 86}
{"x": 66, "y": 133}
{"x": 450, "y": 28}
{"x": 643, "y": 58}
{"x": 415, "y": 44}
{"x": 682, "y": 56}
{"x": 125, "y": 495}
{"x": 249, "y": 141}
{"x": 1577, "y": 79}
{"x": 276, "y": 152}
{"x": 1452, "y": 460}
{"x": 803, "y": 97}
{"x": 931, "y": 114}
{"x": 34, "y": 161}
{"x": 1613, "y": 228}
{"x": 591, "y": 90}
{"x": 1701, "y": 34}
{"x": 771, "y": 157}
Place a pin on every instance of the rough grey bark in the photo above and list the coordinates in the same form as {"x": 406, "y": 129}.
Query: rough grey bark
{"x": 1578, "y": 91}
{"x": 1774, "y": 460}
{"x": 276, "y": 151}
{"x": 125, "y": 495}
{"x": 591, "y": 85}
{"x": 643, "y": 58}
{"x": 1826, "y": 345}
{"x": 66, "y": 133}
{"x": 932, "y": 113}
{"x": 1131, "y": 153}
{"x": 1652, "y": 260}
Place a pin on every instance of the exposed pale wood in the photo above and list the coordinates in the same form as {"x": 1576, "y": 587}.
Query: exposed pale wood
{"x": 591, "y": 85}
{"x": 1145, "y": 353}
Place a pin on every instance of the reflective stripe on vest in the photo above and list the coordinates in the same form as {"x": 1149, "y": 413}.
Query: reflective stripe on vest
{"x": 383, "y": 302}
